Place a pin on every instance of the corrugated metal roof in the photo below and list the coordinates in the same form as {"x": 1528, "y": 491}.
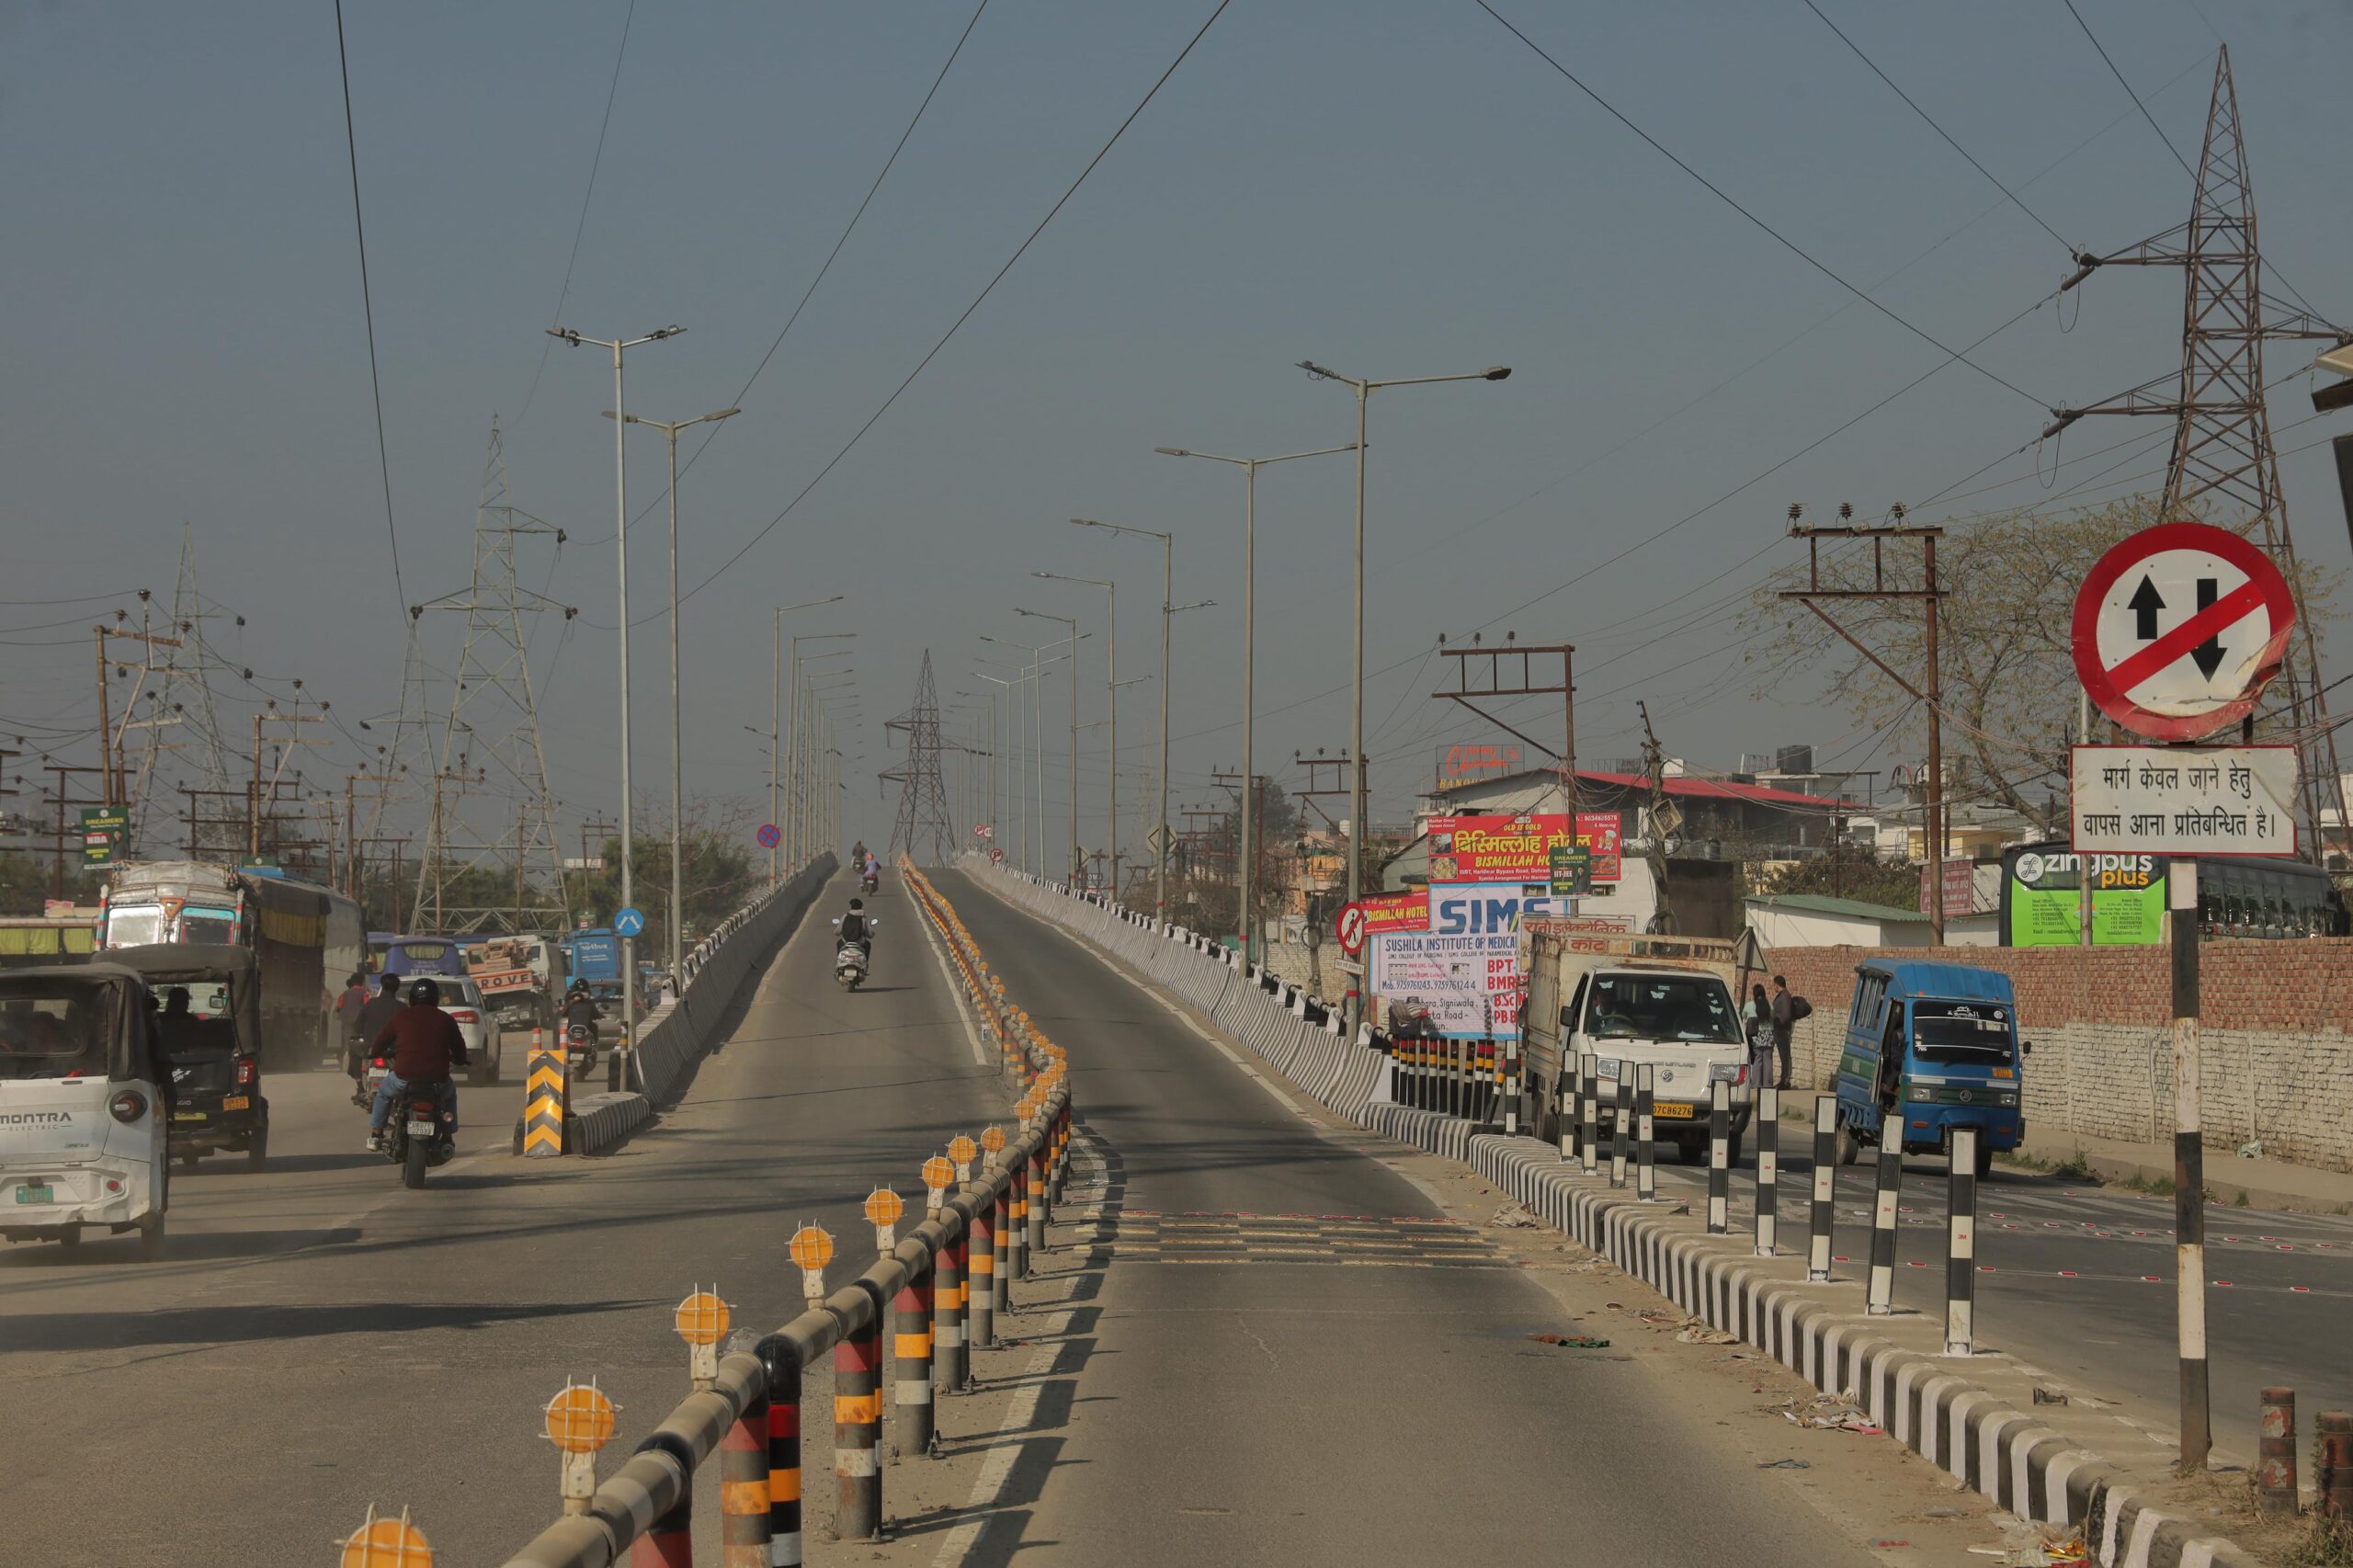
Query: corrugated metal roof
{"x": 1818, "y": 903}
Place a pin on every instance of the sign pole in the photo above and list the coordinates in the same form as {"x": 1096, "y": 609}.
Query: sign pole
{"x": 2188, "y": 1168}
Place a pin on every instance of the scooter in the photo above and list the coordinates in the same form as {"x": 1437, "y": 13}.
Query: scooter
{"x": 580, "y": 1046}
{"x": 870, "y": 881}
{"x": 850, "y": 957}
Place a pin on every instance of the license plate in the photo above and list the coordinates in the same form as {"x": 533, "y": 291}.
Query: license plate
{"x": 187, "y": 1116}
{"x": 236, "y": 1102}
{"x": 1671, "y": 1108}
{"x": 421, "y": 1129}
{"x": 35, "y": 1192}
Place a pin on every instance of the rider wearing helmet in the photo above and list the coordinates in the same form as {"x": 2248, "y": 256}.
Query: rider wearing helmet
{"x": 423, "y": 1045}
{"x": 579, "y": 1008}
{"x": 857, "y": 928}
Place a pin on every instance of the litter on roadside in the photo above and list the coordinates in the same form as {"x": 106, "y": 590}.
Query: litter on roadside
{"x": 1514, "y": 1217}
{"x": 1571, "y": 1341}
{"x": 1828, "y": 1413}
{"x": 1695, "y": 1332}
{"x": 1786, "y": 1464}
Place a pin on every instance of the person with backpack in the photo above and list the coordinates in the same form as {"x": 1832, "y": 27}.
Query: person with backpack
{"x": 1788, "y": 1009}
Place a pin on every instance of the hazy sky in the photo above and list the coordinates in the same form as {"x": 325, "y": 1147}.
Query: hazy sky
{"x": 1393, "y": 188}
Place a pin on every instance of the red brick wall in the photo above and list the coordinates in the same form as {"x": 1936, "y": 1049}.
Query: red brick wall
{"x": 2304, "y": 985}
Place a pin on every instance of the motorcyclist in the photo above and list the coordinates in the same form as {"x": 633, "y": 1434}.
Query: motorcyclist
{"x": 857, "y": 928}
{"x": 579, "y": 1008}
{"x": 872, "y": 868}
{"x": 858, "y": 852}
{"x": 425, "y": 1044}
{"x": 374, "y": 1014}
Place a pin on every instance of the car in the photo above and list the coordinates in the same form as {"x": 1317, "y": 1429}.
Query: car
{"x": 462, "y": 999}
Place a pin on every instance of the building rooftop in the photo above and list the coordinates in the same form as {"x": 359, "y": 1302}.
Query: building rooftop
{"x": 1818, "y": 903}
{"x": 1682, "y": 785}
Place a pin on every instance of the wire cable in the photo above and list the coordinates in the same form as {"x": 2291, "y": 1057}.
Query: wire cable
{"x": 1019, "y": 251}
{"x": 367, "y": 308}
{"x": 1718, "y": 191}
{"x": 2128, "y": 89}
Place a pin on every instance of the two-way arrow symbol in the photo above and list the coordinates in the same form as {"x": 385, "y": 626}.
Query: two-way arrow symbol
{"x": 2146, "y": 602}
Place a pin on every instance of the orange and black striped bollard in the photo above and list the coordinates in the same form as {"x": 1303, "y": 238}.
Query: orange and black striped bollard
{"x": 743, "y": 1490}
{"x": 1001, "y": 1244}
{"x": 1017, "y": 1240}
{"x": 911, "y": 1365}
{"x": 981, "y": 1319}
{"x": 782, "y": 1360}
{"x": 857, "y": 1423}
{"x": 949, "y": 1319}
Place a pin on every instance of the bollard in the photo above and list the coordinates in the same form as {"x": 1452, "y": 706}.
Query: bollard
{"x": 1001, "y": 1261}
{"x": 1719, "y": 1157}
{"x": 1507, "y": 1086}
{"x": 949, "y": 1316}
{"x": 1590, "y": 1112}
{"x": 1768, "y": 1167}
{"x": 743, "y": 1536}
{"x": 911, "y": 1364}
{"x": 977, "y": 1253}
{"x": 857, "y": 1423}
{"x": 1034, "y": 1191}
{"x": 1622, "y": 1116}
{"x": 547, "y": 1095}
{"x": 1645, "y": 1133}
{"x": 1017, "y": 1241}
{"x": 1568, "y": 1105}
{"x": 782, "y": 1360}
{"x": 1961, "y": 1243}
{"x": 2275, "y": 1464}
{"x": 1890, "y": 1187}
{"x": 1826, "y": 1171}
{"x": 2334, "y": 1482}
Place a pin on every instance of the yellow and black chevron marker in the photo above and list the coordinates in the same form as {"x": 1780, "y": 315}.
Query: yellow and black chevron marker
{"x": 547, "y": 1096}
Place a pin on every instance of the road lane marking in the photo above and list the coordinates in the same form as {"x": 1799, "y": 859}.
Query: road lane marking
{"x": 955, "y": 990}
{"x": 989, "y": 1486}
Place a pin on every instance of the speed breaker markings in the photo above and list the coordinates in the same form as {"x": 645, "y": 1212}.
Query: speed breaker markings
{"x": 2179, "y": 628}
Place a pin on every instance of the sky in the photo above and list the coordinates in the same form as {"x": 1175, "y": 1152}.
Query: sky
{"x": 1391, "y": 188}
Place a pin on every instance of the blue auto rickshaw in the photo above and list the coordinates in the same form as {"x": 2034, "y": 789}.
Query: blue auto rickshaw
{"x": 1930, "y": 1047}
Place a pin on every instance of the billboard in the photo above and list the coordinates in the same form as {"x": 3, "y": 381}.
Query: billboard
{"x": 2044, "y": 899}
{"x": 1463, "y": 762}
{"x": 1518, "y": 848}
{"x": 1464, "y": 969}
{"x": 1385, "y": 913}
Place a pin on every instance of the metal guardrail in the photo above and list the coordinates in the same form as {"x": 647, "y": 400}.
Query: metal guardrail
{"x": 748, "y": 1406}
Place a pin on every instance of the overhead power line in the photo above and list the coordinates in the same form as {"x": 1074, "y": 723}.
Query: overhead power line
{"x": 957, "y": 325}
{"x": 367, "y": 308}
{"x": 1722, "y": 195}
{"x": 2128, "y": 89}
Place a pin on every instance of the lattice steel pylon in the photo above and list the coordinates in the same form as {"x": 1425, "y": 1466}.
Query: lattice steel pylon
{"x": 2223, "y": 453}
{"x": 180, "y": 699}
{"x": 922, "y": 796}
{"x": 491, "y": 810}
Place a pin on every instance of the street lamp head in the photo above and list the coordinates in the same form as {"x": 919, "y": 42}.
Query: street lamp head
{"x": 662, "y": 331}
{"x": 1172, "y": 451}
{"x": 566, "y": 333}
{"x": 731, "y": 412}
{"x": 1498, "y": 372}
{"x": 1319, "y": 372}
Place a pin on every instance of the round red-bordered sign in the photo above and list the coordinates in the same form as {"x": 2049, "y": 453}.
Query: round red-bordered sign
{"x": 1352, "y": 928}
{"x": 2169, "y": 633}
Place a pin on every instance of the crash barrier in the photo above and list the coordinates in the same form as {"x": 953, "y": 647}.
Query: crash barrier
{"x": 641, "y": 1073}
{"x": 1920, "y": 1399}
{"x": 749, "y": 1406}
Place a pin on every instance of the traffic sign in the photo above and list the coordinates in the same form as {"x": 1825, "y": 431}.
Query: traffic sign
{"x": 1352, "y": 928}
{"x": 630, "y": 921}
{"x": 769, "y": 835}
{"x": 1159, "y": 840}
{"x": 2178, "y": 629}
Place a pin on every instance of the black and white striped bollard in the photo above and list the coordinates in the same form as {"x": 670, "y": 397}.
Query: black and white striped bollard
{"x": 1645, "y": 1133}
{"x": 1961, "y": 1244}
{"x": 1826, "y": 1171}
{"x": 1507, "y": 1086}
{"x": 1719, "y": 1157}
{"x": 1890, "y": 1187}
{"x": 1768, "y": 1167}
{"x": 1621, "y": 1118}
{"x": 1589, "y": 1110}
{"x": 1568, "y": 1104}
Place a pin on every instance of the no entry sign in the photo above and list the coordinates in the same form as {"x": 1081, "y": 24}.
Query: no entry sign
{"x": 1352, "y": 929}
{"x": 2180, "y": 628}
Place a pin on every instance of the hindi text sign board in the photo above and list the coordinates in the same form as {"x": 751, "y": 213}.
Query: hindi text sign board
{"x": 2184, "y": 801}
{"x": 1518, "y": 848}
{"x": 2177, "y": 629}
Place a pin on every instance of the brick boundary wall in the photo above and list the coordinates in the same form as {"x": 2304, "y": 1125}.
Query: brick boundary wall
{"x": 2277, "y": 1025}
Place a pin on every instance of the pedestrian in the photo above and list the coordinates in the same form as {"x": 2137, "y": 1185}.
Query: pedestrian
{"x": 1756, "y": 1023}
{"x": 1788, "y": 1009}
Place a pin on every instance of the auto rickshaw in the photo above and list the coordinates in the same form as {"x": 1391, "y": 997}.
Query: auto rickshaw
{"x": 84, "y": 1101}
{"x": 214, "y": 1043}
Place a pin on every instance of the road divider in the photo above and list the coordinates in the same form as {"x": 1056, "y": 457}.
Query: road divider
{"x": 1972, "y": 1415}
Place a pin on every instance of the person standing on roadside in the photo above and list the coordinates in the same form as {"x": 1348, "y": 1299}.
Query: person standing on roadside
{"x": 1787, "y": 1008}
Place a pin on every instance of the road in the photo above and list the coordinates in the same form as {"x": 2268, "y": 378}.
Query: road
{"x": 2082, "y": 1285}
{"x": 1281, "y": 1389}
{"x": 316, "y": 1337}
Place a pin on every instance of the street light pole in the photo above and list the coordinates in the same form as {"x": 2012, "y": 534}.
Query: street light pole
{"x": 1247, "y": 893}
{"x": 1167, "y": 571}
{"x": 1110, "y": 703}
{"x": 620, "y": 345}
{"x": 1077, "y": 861}
{"x": 1364, "y": 391}
{"x": 776, "y": 701}
{"x": 800, "y": 813}
{"x": 677, "y": 764}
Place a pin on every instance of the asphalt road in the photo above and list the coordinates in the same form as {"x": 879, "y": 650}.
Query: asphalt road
{"x": 2081, "y": 1283}
{"x": 317, "y": 1338}
{"x": 1260, "y": 1381}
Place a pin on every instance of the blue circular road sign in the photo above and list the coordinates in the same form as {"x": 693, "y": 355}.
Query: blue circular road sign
{"x": 769, "y": 836}
{"x": 630, "y": 922}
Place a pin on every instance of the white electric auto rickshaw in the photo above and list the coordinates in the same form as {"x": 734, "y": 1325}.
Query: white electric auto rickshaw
{"x": 85, "y": 1106}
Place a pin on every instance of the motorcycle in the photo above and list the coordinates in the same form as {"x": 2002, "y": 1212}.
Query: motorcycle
{"x": 850, "y": 957}
{"x": 417, "y": 1135}
{"x": 580, "y": 1046}
{"x": 869, "y": 882}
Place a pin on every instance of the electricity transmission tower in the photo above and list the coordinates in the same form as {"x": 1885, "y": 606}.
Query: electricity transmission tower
{"x": 923, "y": 797}
{"x": 181, "y": 699}
{"x": 2223, "y": 453}
{"x": 491, "y": 858}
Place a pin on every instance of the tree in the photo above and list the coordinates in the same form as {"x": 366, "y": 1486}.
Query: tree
{"x": 2010, "y": 683}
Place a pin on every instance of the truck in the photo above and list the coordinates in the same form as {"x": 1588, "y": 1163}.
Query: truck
{"x": 305, "y": 939}
{"x": 521, "y": 978}
{"x": 1670, "y": 1003}
{"x": 593, "y": 954}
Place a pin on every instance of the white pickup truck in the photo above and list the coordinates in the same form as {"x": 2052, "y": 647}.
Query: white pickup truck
{"x": 1670, "y": 1002}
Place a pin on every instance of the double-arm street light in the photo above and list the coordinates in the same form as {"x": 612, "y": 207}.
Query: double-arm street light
{"x": 776, "y": 710}
{"x": 1364, "y": 391}
{"x": 620, "y": 345}
{"x": 1020, "y": 791}
{"x": 677, "y": 762}
{"x": 1167, "y": 573}
{"x": 1035, "y": 673}
{"x": 1112, "y": 699}
{"x": 1247, "y": 891}
{"x": 795, "y": 827}
{"x": 1077, "y": 855}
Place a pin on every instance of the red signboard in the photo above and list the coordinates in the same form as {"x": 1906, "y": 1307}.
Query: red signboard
{"x": 1460, "y": 763}
{"x": 1959, "y": 879}
{"x": 1517, "y": 848}
{"x": 1396, "y": 912}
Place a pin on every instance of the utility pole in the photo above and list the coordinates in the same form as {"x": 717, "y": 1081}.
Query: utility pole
{"x": 1664, "y": 818}
{"x": 293, "y": 738}
{"x": 1933, "y": 834}
{"x": 109, "y": 738}
{"x": 1498, "y": 665}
